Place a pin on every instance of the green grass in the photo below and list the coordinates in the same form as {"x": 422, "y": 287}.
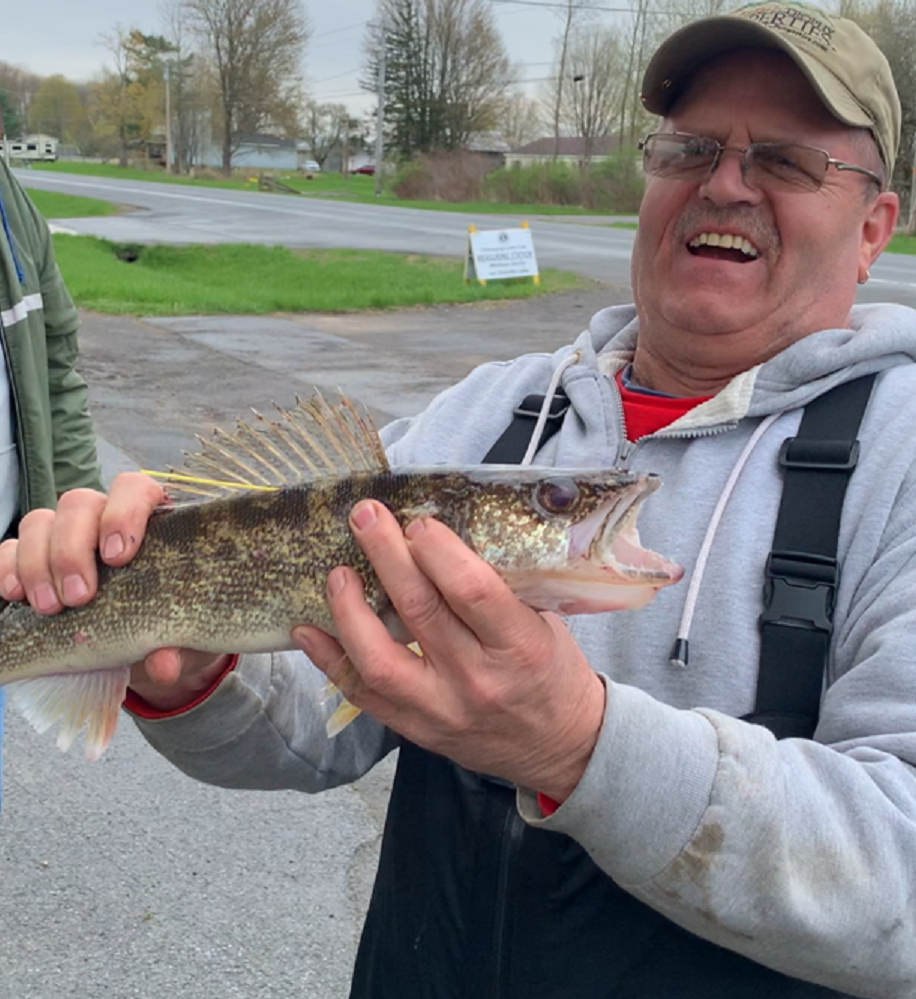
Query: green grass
{"x": 245, "y": 279}
{"x": 69, "y": 206}
{"x": 901, "y": 243}
{"x": 333, "y": 186}
{"x": 139, "y": 173}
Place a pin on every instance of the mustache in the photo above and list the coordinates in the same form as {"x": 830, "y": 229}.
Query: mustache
{"x": 760, "y": 231}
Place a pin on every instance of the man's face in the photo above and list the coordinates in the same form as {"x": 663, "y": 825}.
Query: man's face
{"x": 811, "y": 246}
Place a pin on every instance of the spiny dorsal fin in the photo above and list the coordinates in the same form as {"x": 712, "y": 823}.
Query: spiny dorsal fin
{"x": 313, "y": 440}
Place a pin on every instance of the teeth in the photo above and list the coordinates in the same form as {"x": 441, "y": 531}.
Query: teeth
{"x": 726, "y": 240}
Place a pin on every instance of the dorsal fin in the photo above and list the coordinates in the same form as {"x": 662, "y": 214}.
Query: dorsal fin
{"x": 313, "y": 440}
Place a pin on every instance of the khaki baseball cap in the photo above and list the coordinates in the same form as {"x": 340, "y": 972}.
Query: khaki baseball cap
{"x": 846, "y": 68}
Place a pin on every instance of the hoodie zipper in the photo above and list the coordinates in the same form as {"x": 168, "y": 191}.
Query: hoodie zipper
{"x": 627, "y": 448}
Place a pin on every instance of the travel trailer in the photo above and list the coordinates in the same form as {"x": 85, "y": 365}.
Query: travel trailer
{"x": 29, "y": 147}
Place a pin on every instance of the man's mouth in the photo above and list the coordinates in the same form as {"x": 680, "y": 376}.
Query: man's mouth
{"x": 723, "y": 246}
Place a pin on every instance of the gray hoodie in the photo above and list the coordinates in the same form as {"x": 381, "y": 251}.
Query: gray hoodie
{"x": 799, "y": 854}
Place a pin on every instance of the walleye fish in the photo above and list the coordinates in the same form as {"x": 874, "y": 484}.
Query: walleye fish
{"x": 235, "y": 567}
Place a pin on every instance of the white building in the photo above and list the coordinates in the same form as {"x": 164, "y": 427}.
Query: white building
{"x": 30, "y": 147}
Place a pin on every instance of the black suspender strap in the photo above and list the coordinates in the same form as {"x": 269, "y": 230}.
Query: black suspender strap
{"x": 802, "y": 572}
{"x": 512, "y": 445}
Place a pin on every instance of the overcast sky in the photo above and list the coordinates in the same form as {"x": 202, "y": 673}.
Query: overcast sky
{"x": 62, "y": 36}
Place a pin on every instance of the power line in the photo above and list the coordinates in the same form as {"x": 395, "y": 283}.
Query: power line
{"x": 337, "y": 31}
{"x": 339, "y": 76}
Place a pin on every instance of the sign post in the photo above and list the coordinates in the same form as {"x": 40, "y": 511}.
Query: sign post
{"x": 499, "y": 254}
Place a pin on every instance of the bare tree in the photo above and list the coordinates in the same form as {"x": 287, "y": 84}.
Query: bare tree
{"x": 521, "y": 120}
{"x": 446, "y": 71}
{"x": 255, "y": 48}
{"x": 892, "y": 24}
{"x": 572, "y": 13}
{"x": 592, "y": 102}
{"x": 189, "y": 93}
{"x": 473, "y": 68}
{"x": 324, "y": 128}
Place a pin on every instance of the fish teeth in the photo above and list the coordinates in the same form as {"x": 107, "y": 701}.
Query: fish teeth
{"x": 727, "y": 240}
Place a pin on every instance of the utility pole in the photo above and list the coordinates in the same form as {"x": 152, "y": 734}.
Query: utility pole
{"x": 168, "y": 117}
{"x": 380, "y": 115}
{"x": 558, "y": 95}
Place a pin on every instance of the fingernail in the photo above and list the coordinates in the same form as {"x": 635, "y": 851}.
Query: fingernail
{"x": 363, "y": 516}
{"x": 45, "y": 597}
{"x": 337, "y": 580}
{"x": 113, "y": 546}
{"x": 75, "y": 589}
{"x": 414, "y": 529}
{"x": 10, "y": 583}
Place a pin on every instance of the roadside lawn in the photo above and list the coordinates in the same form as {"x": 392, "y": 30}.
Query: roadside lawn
{"x": 237, "y": 278}
{"x": 53, "y": 205}
{"x": 901, "y": 243}
{"x": 328, "y": 185}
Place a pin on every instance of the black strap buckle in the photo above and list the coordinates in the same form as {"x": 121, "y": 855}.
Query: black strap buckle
{"x": 799, "y": 590}
{"x": 819, "y": 455}
{"x": 531, "y": 406}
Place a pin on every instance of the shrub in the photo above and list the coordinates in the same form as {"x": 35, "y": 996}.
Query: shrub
{"x": 614, "y": 184}
{"x": 442, "y": 176}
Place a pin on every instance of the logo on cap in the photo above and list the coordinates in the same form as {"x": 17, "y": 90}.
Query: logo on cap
{"x": 805, "y": 23}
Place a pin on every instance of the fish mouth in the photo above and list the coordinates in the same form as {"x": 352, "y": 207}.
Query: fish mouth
{"x": 607, "y": 568}
{"x": 608, "y": 543}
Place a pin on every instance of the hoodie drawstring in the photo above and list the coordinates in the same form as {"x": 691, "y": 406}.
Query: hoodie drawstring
{"x": 680, "y": 652}
{"x": 538, "y": 431}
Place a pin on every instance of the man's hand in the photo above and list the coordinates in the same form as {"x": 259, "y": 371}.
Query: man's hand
{"x": 53, "y": 565}
{"x": 499, "y": 688}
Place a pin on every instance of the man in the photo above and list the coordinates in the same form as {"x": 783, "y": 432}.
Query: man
{"x": 633, "y": 836}
{"x": 47, "y": 444}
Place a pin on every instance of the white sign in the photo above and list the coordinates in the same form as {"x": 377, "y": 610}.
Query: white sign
{"x": 500, "y": 253}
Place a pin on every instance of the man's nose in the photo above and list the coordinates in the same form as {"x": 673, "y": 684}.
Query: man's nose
{"x": 726, "y": 183}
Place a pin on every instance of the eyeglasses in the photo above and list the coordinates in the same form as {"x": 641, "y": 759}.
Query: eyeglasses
{"x": 782, "y": 166}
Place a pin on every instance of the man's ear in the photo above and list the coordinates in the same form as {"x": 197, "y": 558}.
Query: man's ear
{"x": 877, "y": 229}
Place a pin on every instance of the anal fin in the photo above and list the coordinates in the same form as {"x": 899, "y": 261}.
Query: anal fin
{"x": 74, "y": 701}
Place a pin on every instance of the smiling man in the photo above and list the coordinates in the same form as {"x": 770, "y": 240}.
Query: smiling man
{"x": 581, "y": 808}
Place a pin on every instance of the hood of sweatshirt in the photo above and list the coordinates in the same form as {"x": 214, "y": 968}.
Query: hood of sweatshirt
{"x": 880, "y": 336}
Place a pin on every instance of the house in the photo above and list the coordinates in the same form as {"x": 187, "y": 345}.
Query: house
{"x": 490, "y": 147}
{"x": 257, "y": 151}
{"x": 570, "y": 149}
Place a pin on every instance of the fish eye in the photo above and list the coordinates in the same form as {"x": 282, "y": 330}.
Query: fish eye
{"x": 557, "y": 496}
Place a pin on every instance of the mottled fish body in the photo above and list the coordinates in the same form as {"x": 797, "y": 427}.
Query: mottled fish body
{"x": 236, "y": 570}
